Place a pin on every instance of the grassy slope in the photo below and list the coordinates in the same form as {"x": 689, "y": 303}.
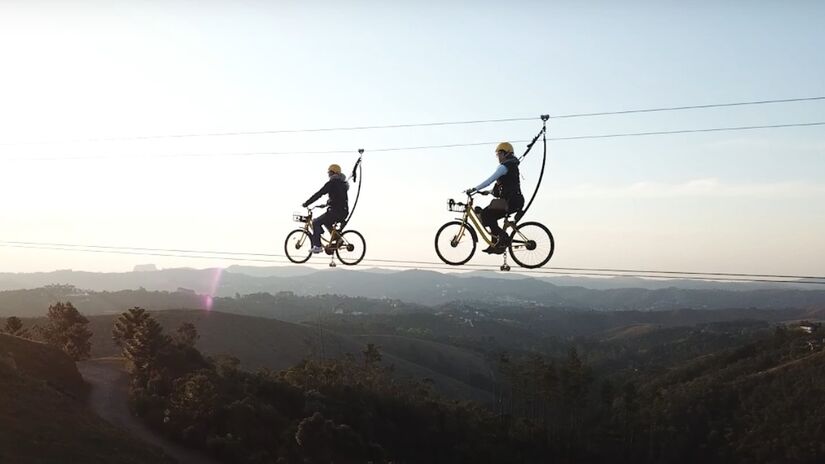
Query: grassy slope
{"x": 40, "y": 361}
{"x": 40, "y": 424}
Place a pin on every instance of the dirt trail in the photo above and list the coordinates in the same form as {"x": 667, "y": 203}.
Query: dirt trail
{"x": 109, "y": 399}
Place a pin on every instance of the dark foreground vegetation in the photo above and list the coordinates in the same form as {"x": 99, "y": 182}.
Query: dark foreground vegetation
{"x": 755, "y": 401}
{"x": 563, "y": 386}
{"x": 345, "y": 411}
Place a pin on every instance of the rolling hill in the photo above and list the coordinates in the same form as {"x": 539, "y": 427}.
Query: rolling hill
{"x": 429, "y": 288}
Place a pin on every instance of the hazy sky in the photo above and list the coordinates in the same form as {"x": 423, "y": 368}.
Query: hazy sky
{"x": 750, "y": 201}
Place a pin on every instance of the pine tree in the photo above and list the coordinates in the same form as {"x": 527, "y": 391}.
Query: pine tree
{"x": 15, "y": 327}
{"x": 67, "y": 330}
{"x": 78, "y": 342}
{"x": 124, "y": 328}
{"x": 143, "y": 348}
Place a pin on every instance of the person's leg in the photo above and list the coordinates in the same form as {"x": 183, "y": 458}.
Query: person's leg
{"x": 339, "y": 219}
{"x": 317, "y": 229}
{"x": 489, "y": 218}
{"x": 330, "y": 218}
{"x": 514, "y": 205}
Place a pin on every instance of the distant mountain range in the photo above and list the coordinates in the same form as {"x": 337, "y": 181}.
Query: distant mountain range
{"x": 434, "y": 288}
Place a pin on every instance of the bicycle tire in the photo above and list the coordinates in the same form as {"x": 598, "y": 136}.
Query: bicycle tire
{"x": 473, "y": 238}
{"x": 295, "y": 256}
{"x": 546, "y": 241}
{"x": 358, "y": 243}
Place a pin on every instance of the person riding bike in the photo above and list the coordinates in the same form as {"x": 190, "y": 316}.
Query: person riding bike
{"x": 337, "y": 206}
{"x": 507, "y": 192}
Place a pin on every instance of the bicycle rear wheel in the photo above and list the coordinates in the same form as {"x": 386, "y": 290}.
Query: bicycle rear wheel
{"x": 455, "y": 242}
{"x": 531, "y": 245}
{"x": 298, "y": 246}
{"x": 352, "y": 248}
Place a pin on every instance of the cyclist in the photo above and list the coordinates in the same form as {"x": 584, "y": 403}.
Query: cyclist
{"x": 508, "y": 196}
{"x": 337, "y": 206}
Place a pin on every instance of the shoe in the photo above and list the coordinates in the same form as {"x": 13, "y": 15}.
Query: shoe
{"x": 498, "y": 251}
{"x": 489, "y": 249}
{"x": 317, "y": 249}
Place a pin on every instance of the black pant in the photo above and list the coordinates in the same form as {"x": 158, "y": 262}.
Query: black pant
{"x": 326, "y": 220}
{"x": 490, "y": 216}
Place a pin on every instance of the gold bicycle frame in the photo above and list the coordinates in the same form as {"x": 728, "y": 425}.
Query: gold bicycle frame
{"x": 470, "y": 213}
{"x": 335, "y": 238}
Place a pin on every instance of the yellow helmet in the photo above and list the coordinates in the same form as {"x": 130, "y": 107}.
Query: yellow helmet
{"x": 334, "y": 168}
{"x": 505, "y": 147}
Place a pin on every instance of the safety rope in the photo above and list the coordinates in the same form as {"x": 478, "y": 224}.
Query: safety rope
{"x": 357, "y": 171}
{"x": 543, "y": 134}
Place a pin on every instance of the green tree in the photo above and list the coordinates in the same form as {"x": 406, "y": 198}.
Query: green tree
{"x": 126, "y": 324}
{"x": 321, "y": 440}
{"x": 372, "y": 355}
{"x": 14, "y": 326}
{"x": 187, "y": 334}
{"x": 195, "y": 398}
{"x": 67, "y": 330}
{"x": 143, "y": 349}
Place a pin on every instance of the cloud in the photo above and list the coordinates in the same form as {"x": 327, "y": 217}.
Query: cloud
{"x": 707, "y": 188}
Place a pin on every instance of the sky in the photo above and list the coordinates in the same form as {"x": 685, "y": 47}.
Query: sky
{"x": 75, "y": 72}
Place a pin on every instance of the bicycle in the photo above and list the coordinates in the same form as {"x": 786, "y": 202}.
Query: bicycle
{"x": 531, "y": 243}
{"x": 349, "y": 246}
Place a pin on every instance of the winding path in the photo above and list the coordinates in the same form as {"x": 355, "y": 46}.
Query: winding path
{"x": 109, "y": 399}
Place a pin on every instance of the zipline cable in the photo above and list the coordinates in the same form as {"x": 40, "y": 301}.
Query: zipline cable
{"x": 430, "y": 147}
{"x": 423, "y": 124}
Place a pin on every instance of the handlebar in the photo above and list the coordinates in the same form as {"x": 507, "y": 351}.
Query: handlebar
{"x": 452, "y": 204}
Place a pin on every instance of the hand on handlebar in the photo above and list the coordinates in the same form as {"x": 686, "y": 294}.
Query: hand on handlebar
{"x": 473, "y": 191}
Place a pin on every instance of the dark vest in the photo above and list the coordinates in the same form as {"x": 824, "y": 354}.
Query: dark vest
{"x": 509, "y": 185}
{"x": 338, "y": 198}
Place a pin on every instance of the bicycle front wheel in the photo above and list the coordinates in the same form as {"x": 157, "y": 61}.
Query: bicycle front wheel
{"x": 352, "y": 248}
{"x": 531, "y": 245}
{"x": 455, "y": 242}
{"x": 298, "y": 246}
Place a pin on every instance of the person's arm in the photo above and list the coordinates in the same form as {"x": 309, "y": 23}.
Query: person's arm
{"x": 500, "y": 171}
{"x": 324, "y": 190}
